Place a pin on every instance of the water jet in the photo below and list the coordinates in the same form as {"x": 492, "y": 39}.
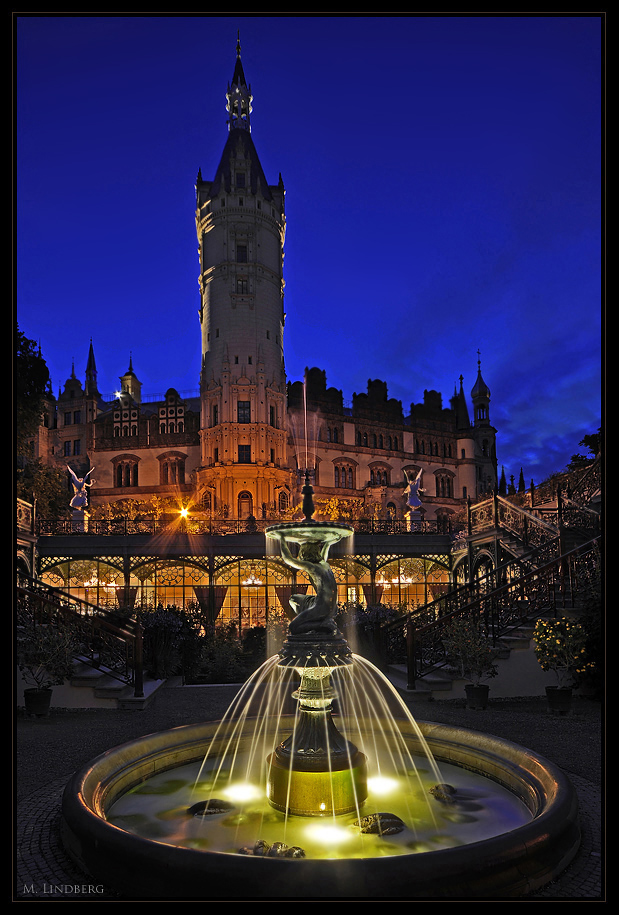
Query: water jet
{"x": 253, "y": 806}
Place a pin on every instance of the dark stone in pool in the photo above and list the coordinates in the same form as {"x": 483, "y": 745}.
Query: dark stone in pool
{"x": 210, "y": 807}
{"x": 276, "y": 850}
{"x": 383, "y": 824}
{"x": 444, "y": 793}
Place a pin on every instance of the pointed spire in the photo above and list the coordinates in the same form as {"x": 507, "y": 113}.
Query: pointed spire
{"x": 239, "y": 97}
{"x": 459, "y": 404}
{"x": 91, "y": 372}
{"x": 480, "y": 389}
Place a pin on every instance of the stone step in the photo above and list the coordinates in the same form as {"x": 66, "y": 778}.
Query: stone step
{"x": 105, "y": 686}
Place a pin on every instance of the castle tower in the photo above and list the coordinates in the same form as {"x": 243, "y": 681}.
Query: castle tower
{"x": 240, "y": 226}
{"x": 485, "y": 436}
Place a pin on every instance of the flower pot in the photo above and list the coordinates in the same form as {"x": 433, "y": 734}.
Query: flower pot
{"x": 559, "y": 699}
{"x": 477, "y": 695}
{"x": 37, "y": 701}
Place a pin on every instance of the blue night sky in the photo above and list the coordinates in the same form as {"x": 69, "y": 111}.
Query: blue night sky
{"x": 444, "y": 195}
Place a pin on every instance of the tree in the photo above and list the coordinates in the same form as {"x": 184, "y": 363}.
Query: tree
{"x": 502, "y": 483}
{"x": 30, "y": 385}
{"x": 44, "y": 485}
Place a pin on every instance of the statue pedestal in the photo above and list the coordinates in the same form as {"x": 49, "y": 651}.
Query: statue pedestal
{"x": 79, "y": 521}
{"x": 413, "y": 521}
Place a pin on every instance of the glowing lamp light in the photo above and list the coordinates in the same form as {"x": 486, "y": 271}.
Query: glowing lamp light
{"x": 184, "y": 512}
{"x": 380, "y": 784}
{"x": 243, "y": 791}
{"x": 329, "y": 833}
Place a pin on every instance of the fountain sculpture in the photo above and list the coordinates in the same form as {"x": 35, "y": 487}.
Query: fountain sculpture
{"x": 316, "y": 774}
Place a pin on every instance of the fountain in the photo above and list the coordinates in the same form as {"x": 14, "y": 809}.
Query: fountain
{"x": 470, "y": 816}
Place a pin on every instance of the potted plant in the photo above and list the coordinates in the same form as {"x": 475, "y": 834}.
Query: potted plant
{"x": 560, "y": 647}
{"x": 45, "y": 658}
{"x": 470, "y": 653}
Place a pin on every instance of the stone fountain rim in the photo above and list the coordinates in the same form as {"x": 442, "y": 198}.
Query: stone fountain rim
{"x": 508, "y": 865}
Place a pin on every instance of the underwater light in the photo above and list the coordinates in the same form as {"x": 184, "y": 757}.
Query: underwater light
{"x": 380, "y": 784}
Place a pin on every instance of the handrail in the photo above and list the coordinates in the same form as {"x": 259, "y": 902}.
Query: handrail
{"x": 221, "y": 526}
{"x": 502, "y": 608}
{"x": 107, "y": 644}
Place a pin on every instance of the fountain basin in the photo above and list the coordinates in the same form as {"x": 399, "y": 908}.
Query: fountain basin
{"x": 508, "y": 865}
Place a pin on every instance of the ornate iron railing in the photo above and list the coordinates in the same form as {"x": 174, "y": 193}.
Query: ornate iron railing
{"x": 220, "y": 526}
{"x": 517, "y": 592}
{"x": 102, "y": 641}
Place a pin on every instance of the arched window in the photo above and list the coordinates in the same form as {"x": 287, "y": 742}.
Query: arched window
{"x": 126, "y": 471}
{"x": 245, "y": 504}
{"x": 172, "y": 468}
{"x": 344, "y": 476}
{"x": 283, "y": 501}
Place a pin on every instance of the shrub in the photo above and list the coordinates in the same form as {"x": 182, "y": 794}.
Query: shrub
{"x": 468, "y": 650}
{"x": 560, "y": 647}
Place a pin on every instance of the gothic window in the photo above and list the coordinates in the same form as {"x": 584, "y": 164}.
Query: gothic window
{"x": 244, "y": 411}
{"x": 444, "y": 486}
{"x": 126, "y": 472}
{"x": 172, "y": 469}
{"x": 380, "y": 441}
{"x": 283, "y": 501}
{"x": 344, "y": 476}
{"x": 365, "y": 439}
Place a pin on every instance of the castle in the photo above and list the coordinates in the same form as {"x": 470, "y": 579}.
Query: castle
{"x": 240, "y": 447}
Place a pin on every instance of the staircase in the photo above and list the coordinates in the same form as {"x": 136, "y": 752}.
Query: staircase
{"x": 545, "y": 557}
{"x": 107, "y": 659}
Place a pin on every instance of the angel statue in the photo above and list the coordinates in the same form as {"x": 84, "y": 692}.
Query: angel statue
{"x": 412, "y": 490}
{"x": 80, "y": 496}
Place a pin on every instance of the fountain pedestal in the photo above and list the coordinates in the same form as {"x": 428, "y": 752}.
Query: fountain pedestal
{"x": 315, "y": 771}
